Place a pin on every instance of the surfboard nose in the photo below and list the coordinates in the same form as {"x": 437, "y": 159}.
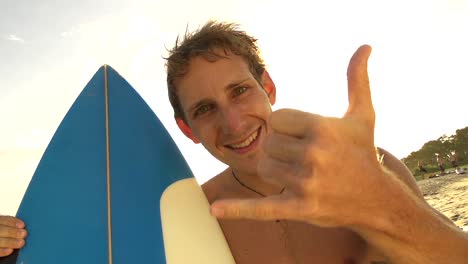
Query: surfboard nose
{"x": 100, "y": 181}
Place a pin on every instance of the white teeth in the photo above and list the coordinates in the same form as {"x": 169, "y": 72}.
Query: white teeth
{"x": 246, "y": 142}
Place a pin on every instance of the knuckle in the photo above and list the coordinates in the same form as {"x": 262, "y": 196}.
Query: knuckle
{"x": 331, "y": 127}
{"x": 5, "y": 231}
{"x": 305, "y": 182}
{"x": 306, "y": 185}
{"x": 12, "y": 232}
{"x": 234, "y": 211}
{"x": 309, "y": 210}
{"x": 5, "y": 220}
{"x": 260, "y": 212}
{"x": 8, "y": 243}
{"x": 316, "y": 210}
{"x": 307, "y": 151}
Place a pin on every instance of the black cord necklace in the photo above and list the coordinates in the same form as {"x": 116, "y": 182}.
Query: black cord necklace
{"x": 247, "y": 187}
{"x": 253, "y": 190}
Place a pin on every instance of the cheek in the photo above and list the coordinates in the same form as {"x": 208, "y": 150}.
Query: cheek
{"x": 206, "y": 133}
{"x": 259, "y": 103}
{"x": 264, "y": 110}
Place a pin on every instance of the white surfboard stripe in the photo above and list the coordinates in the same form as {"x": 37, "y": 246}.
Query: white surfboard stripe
{"x": 108, "y": 175}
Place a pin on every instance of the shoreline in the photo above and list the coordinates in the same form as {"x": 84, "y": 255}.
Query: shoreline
{"x": 447, "y": 194}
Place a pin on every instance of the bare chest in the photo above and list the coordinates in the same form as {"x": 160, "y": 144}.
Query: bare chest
{"x": 291, "y": 242}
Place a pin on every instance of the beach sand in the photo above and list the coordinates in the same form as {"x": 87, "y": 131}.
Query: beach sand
{"x": 449, "y": 195}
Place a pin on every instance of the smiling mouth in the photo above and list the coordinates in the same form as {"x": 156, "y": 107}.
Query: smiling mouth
{"x": 246, "y": 142}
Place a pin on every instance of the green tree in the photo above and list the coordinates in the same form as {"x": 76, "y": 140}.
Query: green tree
{"x": 444, "y": 145}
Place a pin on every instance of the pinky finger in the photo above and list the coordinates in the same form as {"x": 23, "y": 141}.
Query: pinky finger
{"x": 5, "y": 252}
{"x": 269, "y": 208}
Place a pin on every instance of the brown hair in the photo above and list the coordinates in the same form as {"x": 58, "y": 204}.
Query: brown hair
{"x": 203, "y": 42}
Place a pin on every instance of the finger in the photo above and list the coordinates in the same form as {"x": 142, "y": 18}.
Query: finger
{"x": 283, "y": 147}
{"x": 269, "y": 208}
{"x": 5, "y": 252}
{"x": 279, "y": 173}
{"x": 359, "y": 95}
{"x": 11, "y": 243}
{"x": 293, "y": 122}
{"x": 11, "y": 221}
{"x": 12, "y": 232}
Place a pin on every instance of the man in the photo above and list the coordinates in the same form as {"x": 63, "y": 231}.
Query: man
{"x": 422, "y": 170}
{"x": 454, "y": 159}
{"x": 440, "y": 163}
{"x": 278, "y": 202}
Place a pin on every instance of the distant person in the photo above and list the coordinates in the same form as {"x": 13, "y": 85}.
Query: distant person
{"x": 454, "y": 159}
{"x": 422, "y": 169}
{"x": 440, "y": 163}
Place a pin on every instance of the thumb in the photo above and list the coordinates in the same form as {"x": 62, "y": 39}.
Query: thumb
{"x": 359, "y": 95}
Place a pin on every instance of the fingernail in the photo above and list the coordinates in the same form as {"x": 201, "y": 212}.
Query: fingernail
{"x": 22, "y": 233}
{"x": 19, "y": 242}
{"x": 19, "y": 224}
{"x": 217, "y": 212}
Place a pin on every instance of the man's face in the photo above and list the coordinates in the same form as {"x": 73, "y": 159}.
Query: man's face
{"x": 226, "y": 109}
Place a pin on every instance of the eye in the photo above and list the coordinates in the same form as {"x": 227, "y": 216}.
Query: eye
{"x": 203, "y": 109}
{"x": 239, "y": 90}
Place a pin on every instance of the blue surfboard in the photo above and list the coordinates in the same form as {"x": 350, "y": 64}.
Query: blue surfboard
{"x": 112, "y": 187}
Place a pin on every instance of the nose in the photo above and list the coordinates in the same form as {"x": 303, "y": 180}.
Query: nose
{"x": 231, "y": 120}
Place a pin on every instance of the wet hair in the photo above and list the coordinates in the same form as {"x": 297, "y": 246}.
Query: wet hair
{"x": 213, "y": 36}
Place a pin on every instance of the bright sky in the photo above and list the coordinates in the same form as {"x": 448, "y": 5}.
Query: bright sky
{"x": 50, "y": 49}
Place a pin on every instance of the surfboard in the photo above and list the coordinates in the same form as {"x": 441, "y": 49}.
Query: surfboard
{"x": 112, "y": 187}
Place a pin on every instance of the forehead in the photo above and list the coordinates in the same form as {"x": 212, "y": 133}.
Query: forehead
{"x": 204, "y": 78}
{"x": 220, "y": 71}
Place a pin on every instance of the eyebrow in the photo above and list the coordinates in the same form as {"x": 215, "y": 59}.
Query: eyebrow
{"x": 236, "y": 83}
{"x": 228, "y": 87}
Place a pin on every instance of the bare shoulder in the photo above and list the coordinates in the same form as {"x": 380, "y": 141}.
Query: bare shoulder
{"x": 399, "y": 169}
{"x": 218, "y": 187}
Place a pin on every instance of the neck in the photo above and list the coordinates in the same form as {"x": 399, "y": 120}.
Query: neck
{"x": 254, "y": 183}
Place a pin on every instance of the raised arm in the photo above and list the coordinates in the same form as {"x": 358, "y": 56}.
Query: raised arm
{"x": 381, "y": 204}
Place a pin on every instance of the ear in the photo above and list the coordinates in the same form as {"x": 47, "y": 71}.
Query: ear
{"x": 186, "y": 130}
{"x": 269, "y": 87}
